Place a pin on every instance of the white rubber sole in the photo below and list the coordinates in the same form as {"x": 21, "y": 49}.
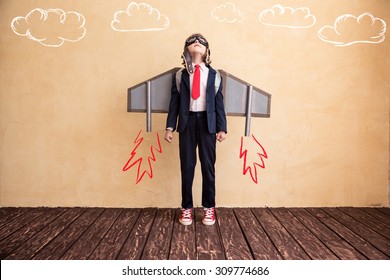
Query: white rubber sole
{"x": 185, "y": 223}
{"x": 208, "y": 223}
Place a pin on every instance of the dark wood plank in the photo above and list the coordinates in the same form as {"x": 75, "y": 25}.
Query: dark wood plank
{"x": 112, "y": 243}
{"x": 337, "y": 245}
{"x": 366, "y": 219}
{"x": 39, "y": 240}
{"x": 22, "y": 218}
{"x": 377, "y": 215}
{"x": 308, "y": 241}
{"x": 353, "y": 239}
{"x": 10, "y": 214}
{"x": 233, "y": 240}
{"x": 13, "y": 241}
{"x": 157, "y": 246}
{"x": 183, "y": 245}
{"x": 377, "y": 240}
{"x": 261, "y": 246}
{"x": 208, "y": 242}
{"x": 133, "y": 247}
{"x": 57, "y": 247}
{"x": 385, "y": 210}
{"x": 288, "y": 248}
{"x": 84, "y": 246}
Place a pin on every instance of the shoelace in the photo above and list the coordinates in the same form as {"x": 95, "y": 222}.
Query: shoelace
{"x": 209, "y": 213}
{"x": 186, "y": 213}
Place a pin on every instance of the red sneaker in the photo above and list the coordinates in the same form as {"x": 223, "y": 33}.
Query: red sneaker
{"x": 186, "y": 217}
{"x": 208, "y": 216}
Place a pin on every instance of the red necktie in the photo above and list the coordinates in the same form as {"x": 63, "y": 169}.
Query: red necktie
{"x": 196, "y": 83}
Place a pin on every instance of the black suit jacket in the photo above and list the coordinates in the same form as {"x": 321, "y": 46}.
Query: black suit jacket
{"x": 179, "y": 104}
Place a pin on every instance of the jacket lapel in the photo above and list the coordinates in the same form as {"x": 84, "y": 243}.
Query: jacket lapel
{"x": 210, "y": 89}
{"x": 186, "y": 79}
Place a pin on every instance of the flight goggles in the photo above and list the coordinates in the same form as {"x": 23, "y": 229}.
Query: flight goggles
{"x": 200, "y": 39}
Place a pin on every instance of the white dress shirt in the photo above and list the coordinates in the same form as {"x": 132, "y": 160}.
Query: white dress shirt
{"x": 199, "y": 104}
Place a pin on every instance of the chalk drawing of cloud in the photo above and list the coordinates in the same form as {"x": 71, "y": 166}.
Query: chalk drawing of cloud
{"x": 51, "y": 27}
{"x": 139, "y": 17}
{"x": 287, "y": 17}
{"x": 227, "y": 13}
{"x": 348, "y": 30}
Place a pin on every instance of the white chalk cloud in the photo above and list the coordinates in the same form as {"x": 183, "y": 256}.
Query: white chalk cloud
{"x": 139, "y": 17}
{"x": 227, "y": 13}
{"x": 349, "y": 29}
{"x": 287, "y": 17}
{"x": 51, "y": 27}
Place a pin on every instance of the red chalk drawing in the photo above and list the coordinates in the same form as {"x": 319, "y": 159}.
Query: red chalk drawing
{"x": 252, "y": 168}
{"x": 138, "y": 161}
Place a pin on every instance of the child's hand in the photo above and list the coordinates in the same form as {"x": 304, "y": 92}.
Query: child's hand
{"x": 221, "y": 136}
{"x": 168, "y": 136}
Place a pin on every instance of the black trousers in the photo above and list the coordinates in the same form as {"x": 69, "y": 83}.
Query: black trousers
{"x": 195, "y": 135}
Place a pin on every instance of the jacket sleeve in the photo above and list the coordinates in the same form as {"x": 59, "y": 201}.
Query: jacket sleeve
{"x": 174, "y": 106}
{"x": 220, "y": 110}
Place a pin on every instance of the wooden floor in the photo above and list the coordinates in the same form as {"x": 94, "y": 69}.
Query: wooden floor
{"x": 155, "y": 233}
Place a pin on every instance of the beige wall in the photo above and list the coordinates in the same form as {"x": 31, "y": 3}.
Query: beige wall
{"x": 65, "y": 132}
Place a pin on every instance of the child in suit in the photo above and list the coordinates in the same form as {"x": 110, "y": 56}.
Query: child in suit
{"x": 198, "y": 110}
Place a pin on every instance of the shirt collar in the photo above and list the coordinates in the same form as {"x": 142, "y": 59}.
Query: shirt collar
{"x": 202, "y": 65}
